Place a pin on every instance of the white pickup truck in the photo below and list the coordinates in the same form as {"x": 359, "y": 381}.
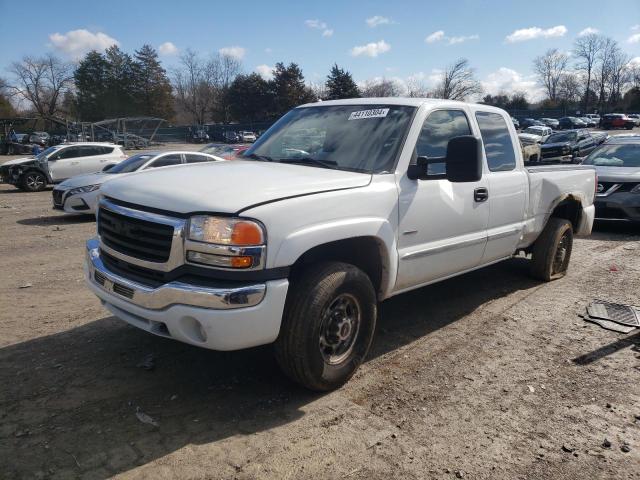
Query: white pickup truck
{"x": 337, "y": 207}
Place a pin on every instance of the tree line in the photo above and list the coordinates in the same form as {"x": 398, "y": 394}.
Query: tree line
{"x": 598, "y": 76}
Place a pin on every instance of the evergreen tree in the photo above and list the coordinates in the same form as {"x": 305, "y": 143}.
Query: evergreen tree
{"x": 288, "y": 88}
{"x": 151, "y": 87}
{"x": 120, "y": 98}
{"x": 91, "y": 87}
{"x": 340, "y": 84}
{"x": 250, "y": 98}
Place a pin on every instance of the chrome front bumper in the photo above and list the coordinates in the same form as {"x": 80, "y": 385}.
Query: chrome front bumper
{"x": 172, "y": 293}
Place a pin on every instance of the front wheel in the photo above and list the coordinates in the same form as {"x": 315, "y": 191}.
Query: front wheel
{"x": 552, "y": 250}
{"x": 34, "y": 181}
{"x": 328, "y": 325}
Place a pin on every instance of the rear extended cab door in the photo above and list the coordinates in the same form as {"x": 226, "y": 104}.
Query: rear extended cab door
{"x": 508, "y": 184}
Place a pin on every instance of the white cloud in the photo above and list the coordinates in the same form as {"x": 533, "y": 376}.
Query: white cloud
{"x": 588, "y": 31}
{"x": 635, "y": 38}
{"x": 372, "y": 49}
{"x": 635, "y": 28}
{"x": 265, "y": 71}
{"x": 507, "y": 80}
{"x": 435, "y": 37}
{"x": 268, "y": 50}
{"x": 532, "y": 33}
{"x": 167, "y": 48}
{"x": 235, "y": 52}
{"x": 377, "y": 20}
{"x": 319, "y": 25}
{"x": 634, "y": 62}
{"x": 462, "y": 39}
{"x": 76, "y": 43}
{"x": 440, "y": 36}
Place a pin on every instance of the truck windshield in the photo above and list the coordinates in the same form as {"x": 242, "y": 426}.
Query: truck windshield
{"x": 615, "y": 156}
{"x": 562, "y": 137}
{"x": 357, "y": 138}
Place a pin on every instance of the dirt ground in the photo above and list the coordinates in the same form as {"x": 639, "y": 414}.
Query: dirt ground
{"x": 490, "y": 375}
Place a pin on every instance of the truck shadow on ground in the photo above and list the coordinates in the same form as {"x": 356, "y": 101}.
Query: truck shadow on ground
{"x": 47, "y": 220}
{"x": 69, "y": 401}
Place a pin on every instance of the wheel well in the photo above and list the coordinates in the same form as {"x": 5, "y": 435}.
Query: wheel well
{"x": 569, "y": 209}
{"x": 366, "y": 253}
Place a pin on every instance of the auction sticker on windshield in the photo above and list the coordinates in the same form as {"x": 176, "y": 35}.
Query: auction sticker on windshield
{"x": 373, "y": 113}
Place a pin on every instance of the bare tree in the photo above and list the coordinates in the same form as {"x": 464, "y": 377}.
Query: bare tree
{"x": 225, "y": 69}
{"x": 416, "y": 89}
{"x": 569, "y": 88}
{"x": 457, "y": 82}
{"x": 619, "y": 75}
{"x": 194, "y": 82}
{"x": 586, "y": 50}
{"x": 320, "y": 90}
{"x": 381, "y": 88}
{"x": 42, "y": 82}
{"x": 603, "y": 73}
{"x": 550, "y": 68}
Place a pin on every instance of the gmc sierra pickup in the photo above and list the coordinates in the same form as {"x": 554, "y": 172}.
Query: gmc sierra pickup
{"x": 337, "y": 207}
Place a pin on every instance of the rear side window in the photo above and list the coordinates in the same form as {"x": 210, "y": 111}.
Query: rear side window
{"x": 498, "y": 146}
{"x": 440, "y": 127}
{"x": 194, "y": 158}
{"x": 172, "y": 159}
{"x": 106, "y": 150}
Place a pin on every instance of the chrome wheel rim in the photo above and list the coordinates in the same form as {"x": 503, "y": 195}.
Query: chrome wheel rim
{"x": 339, "y": 329}
{"x": 34, "y": 181}
{"x": 561, "y": 255}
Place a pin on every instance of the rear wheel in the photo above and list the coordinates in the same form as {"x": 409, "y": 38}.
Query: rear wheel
{"x": 327, "y": 326}
{"x": 552, "y": 250}
{"x": 33, "y": 181}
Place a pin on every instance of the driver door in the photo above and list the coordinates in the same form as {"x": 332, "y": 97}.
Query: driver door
{"x": 443, "y": 225}
{"x": 62, "y": 164}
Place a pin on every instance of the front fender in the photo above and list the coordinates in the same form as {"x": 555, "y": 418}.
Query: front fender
{"x": 294, "y": 245}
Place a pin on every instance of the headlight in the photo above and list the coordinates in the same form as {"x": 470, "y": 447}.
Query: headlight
{"x": 566, "y": 150}
{"x": 225, "y": 231}
{"x": 87, "y": 189}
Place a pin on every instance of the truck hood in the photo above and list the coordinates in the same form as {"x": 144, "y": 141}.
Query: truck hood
{"x": 85, "y": 180}
{"x": 226, "y": 187}
{"x": 529, "y": 137}
{"x": 618, "y": 174}
{"x": 16, "y": 161}
{"x": 555, "y": 145}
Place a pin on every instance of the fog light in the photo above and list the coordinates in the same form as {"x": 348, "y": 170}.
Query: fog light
{"x": 219, "y": 260}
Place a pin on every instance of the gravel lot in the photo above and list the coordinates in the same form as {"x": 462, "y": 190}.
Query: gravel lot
{"x": 488, "y": 375}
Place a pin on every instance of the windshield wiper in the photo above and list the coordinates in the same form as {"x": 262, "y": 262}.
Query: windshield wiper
{"x": 314, "y": 161}
{"x": 262, "y": 158}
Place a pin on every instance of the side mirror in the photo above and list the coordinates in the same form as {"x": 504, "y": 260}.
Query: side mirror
{"x": 418, "y": 171}
{"x": 464, "y": 160}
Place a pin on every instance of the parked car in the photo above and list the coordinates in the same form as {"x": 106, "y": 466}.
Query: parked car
{"x": 594, "y": 116}
{"x": 228, "y": 152}
{"x": 589, "y": 122}
{"x": 635, "y": 117}
{"x": 550, "y": 122}
{"x": 58, "y": 163}
{"x": 530, "y": 152}
{"x": 230, "y": 136}
{"x": 529, "y": 122}
{"x": 515, "y": 121}
{"x": 616, "y": 120}
{"x": 617, "y": 164}
{"x": 198, "y": 135}
{"x": 79, "y": 194}
{"x": 570, "y": 123}
{"x": 567, "y": 146}
{"x": 298, "y": 247}
{"x": 248, "y": 137}
{"x": 534, "y": 134}
{"x": 598, "y": 137}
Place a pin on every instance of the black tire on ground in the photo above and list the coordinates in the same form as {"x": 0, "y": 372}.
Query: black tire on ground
{"x": 33, "y": 181}
{"x": 552, "y": 250}
{"x": 328, "y": 325}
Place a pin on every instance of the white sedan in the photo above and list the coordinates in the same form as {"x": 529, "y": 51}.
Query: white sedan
{"x": 79, "y": 194}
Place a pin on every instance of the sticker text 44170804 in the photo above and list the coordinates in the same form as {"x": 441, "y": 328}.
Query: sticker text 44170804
{"x": 373, "y": 113}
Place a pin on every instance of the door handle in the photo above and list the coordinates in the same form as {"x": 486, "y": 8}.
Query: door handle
{"x": 481, "y": 194}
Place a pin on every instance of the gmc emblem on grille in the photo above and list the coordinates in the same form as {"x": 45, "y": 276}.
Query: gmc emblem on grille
{"x": 600, "y": 188}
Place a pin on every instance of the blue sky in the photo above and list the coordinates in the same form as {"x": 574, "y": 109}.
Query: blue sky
{"x": 317, "y": 34}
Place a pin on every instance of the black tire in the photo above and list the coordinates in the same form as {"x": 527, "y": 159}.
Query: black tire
{"x": 33, "y": 181}
{"x": 552, "y": 250}
{"x": 307, "y": 327}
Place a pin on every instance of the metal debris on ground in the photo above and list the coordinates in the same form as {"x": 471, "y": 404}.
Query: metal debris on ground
{"x": 613, "y": 316}
{"x": 144, "y": 418}
{"x": 148, "y": 362}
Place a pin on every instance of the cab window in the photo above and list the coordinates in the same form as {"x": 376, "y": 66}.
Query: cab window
{"x": 498, "y": 147}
